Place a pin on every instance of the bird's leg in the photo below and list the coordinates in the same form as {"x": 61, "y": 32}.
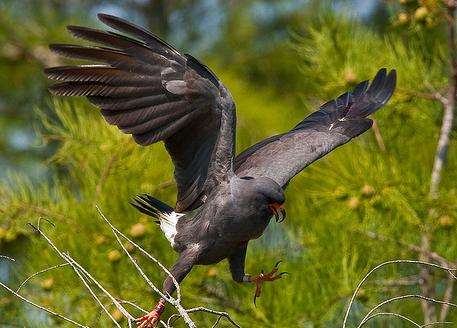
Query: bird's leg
{"x": 179, "y": 270}
{"x": 151, "y": 319}
{"x": 237, "y": 262}
{"x": 262, "y": 277}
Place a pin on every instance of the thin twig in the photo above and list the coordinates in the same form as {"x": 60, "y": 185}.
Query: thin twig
{"x": 394, "y": 315}
{"x": 219, "y": 313}
{"x": 51, "y": 312}
{"x": 7, "y": 257}
{"x": 38, "y": 273}
{"x": 74, "y": 264}
{"x": 433, "y": 95}
{"x": 178, "y": 293}
{"x": 203, "y": 309}
{"x": 346, "y": 316}
{"x": 437, "y": 323}
{"x": 139, "y": 308}
{"x": 447, "y": 297}
{"x": 113, "y": 299}
{"x": 138, "y": 268}
{"x": 426, "y": 276}
{"x": 403, "y": 297}
{"x": 81, "y": 277}
{"x": 449, "y": 107}
{"x": 175, "y": 302}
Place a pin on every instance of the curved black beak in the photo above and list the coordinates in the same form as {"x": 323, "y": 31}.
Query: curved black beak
{"x": 280, "y": 215}
{"x": 278, "y": 211}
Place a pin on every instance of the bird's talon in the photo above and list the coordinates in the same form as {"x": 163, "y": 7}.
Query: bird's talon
{"x": 262, "y": 277}
{"x": 152, "y": 318}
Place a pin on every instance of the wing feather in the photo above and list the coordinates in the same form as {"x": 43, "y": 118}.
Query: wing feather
{"x": 336, "y": 122}
{"x": 148, "y": 89}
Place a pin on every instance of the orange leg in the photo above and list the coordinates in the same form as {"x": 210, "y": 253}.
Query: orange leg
{"x": 152, "y": 318}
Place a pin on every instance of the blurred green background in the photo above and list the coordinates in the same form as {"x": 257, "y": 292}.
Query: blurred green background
{"x": 365, "y": 203}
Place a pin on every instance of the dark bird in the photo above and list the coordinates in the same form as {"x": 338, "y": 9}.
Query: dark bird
{"x": 148, "y": 89}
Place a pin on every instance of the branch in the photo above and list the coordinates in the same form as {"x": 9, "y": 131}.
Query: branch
{"x": 118, "y": 232}
{"x": 78, "y": 269}
{"x": 379, "y": 266}
{"x": 38, "y": 273}
{"x": 175, "y": 302}
{"x": 220, "y": 315}
{"x": 87, "y": 279}
{"x": 449, "y": 105}
{"x": 426, "y": 286}
{"x": 407, "y": 319}
{"x": 394, "y": 315}
{"x": 25, "y": 300}
{"x": 447, "y": 297}
{"x": 403, "y": 297}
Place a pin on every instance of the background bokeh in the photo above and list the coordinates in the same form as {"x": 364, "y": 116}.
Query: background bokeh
{"x": 365, "y": 203}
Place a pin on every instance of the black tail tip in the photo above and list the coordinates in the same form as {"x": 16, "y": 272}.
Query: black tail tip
{"x": 151, "y": 206}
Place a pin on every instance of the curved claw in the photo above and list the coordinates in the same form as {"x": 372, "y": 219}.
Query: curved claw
{"x": 262, "y": 277}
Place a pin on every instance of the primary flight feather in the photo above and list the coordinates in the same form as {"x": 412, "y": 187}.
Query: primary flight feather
{"x": 150, "y": 90}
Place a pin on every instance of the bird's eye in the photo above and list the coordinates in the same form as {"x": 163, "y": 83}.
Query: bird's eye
{"x": 247, "y": 178}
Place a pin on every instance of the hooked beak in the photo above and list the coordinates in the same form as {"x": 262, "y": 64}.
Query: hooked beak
{"x": 278, "y": 210}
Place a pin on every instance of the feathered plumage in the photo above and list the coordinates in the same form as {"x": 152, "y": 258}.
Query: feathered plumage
{"x": 148, "y": 89}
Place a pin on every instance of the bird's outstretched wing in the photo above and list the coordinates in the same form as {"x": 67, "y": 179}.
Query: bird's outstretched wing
{"x": 151, "y": 91}
{"x": 336, "y": 122}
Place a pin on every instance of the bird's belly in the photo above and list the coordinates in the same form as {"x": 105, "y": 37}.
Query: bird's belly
{"x": 239, "y": 229}
{"x": 218, "y": 251}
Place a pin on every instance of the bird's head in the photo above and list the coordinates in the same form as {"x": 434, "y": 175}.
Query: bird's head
{"x": 271, "y": 194}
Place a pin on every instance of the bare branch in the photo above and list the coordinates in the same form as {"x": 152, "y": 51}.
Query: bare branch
{"x": 38, "y": 273}
{"x": 7, "y": 257}
{"x": 142, "y": 251}
{"x": 139, "y": 308}
{"x": 394, "y": 315}
{"x": 346, "y": 316}
{"x": 87, "y": 279}
{"x": 51, "y": 312}
{"x": 426, "y": 276}
{"x": 175, "y": 302}
{"x": 72, "y": 263}
{"x": 76, "y": 266}
{"x": 408, "y": 319}
{"x": 432, "y": 95}
{"x": 449, "y": 107}
{"x": 403, "y": 297}
{"x": 220, "y": 315}
{"x": 447, "y": 297}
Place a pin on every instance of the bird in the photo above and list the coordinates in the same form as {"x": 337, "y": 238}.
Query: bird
{"x": 148, "y": 89}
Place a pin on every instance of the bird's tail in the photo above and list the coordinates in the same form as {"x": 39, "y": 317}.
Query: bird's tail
{"x": 164, "y": 214}
{"x": 151, "y": 206}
